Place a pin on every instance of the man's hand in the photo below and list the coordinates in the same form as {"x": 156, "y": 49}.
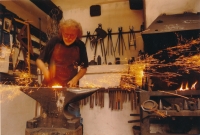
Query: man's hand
{"x": 46, "y": 75}
{"x": 73, "y": 82}
{"x": 41, "y": 65}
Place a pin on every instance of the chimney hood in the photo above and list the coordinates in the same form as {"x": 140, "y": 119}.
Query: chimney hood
{"x": 169, "y": 30}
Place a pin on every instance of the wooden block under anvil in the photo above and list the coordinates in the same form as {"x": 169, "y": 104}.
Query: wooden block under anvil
{"x": 31, "y": 124}
{"x": 52, "y": 131}
{"x": 40, "y": 122}
{"x": 73, "y": 123}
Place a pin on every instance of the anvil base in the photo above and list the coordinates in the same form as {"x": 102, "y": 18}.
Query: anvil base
{"x": 53, "y": 131}
{"x": 40, "y": 122}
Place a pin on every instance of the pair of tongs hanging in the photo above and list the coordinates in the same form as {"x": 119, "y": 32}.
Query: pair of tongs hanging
{"x": 110, "y": 47}
{"x": 120, "y": 42}
{"x": 132, "y": 38}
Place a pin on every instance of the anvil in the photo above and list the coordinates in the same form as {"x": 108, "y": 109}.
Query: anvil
{"x": 54, "y": 103}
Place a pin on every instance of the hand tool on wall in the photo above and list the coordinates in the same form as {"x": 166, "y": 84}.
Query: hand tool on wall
{"x": 92, "y": 101}
{"x": 132, "y": 100}
{"x": 136, "y": 120}
{"x": 101, "y": 34}
{"x": 103, "y": 48}
{"x": 152, "y": 107}
{"x": 99, "y": 98}
{"x": 96, "y": 98}
{"x": 118, "y": 100}
{"x": 132, "y": 38}
{"x": 125, "y": 96}
{"x": 85, "y": 100}
{"x": 114, "y": 100}
{"x": 135, "y": 99}
{"x": 110, "y": 99}
{"x": 102, "y": 104}
{"x": 160, "y": 106}
{"x": 88, "y": 37}
{"x": 110, "y": 47}
{"x": 80, "y": 102}
{"x": 120, "y": 42}
{"x": 122, "y": 98}
{"x": 177, "y": 107}
{"x": 192, "y": 105}
{"x": 133, "y": 121}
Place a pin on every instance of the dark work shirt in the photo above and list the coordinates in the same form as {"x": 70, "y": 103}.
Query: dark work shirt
{"x": 46, "y": 54}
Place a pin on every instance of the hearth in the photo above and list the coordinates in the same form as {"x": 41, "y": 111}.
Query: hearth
{"x": 169, "y": 98}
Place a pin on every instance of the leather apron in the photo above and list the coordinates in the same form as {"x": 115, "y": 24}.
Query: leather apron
{"x": 64, "y": 64}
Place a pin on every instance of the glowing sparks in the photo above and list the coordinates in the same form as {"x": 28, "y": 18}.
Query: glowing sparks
{"x": 191, "y": 62}
{"x": 102, "y": 80}
{"x": 9, "y": 92}
{"x": 174, "y": 62}
{"x": 4, "y": 51}
{"x": 137, "y": 70}
{"x": 166, "y": 65}
{"x": 24, "y": 79}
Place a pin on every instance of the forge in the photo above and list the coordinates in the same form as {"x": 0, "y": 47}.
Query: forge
{"x": 173, "y": 43}
{"x": 55, "y": 116}
{"x": 170, "y": 102}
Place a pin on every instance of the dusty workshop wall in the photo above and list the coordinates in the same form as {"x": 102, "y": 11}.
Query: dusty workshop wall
{"x": 113, "y": 15}
{"x": 154, "y": 8}
{"x": 102, "y": 121}
{"x": 16, "y": 109}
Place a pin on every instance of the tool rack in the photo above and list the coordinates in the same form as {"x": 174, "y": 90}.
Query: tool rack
{"x": 145, "y": 116}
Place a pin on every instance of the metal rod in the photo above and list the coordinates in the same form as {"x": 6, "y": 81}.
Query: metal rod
{"x": 175, "y": 94}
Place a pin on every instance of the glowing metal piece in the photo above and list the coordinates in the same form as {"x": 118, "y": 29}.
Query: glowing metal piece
{"x": 56, "y": 86}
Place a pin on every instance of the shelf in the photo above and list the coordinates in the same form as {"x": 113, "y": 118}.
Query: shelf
{"x": 172, "y": 97}
{"x": 186, "y": 92}
{"x": 181, "y": 113}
